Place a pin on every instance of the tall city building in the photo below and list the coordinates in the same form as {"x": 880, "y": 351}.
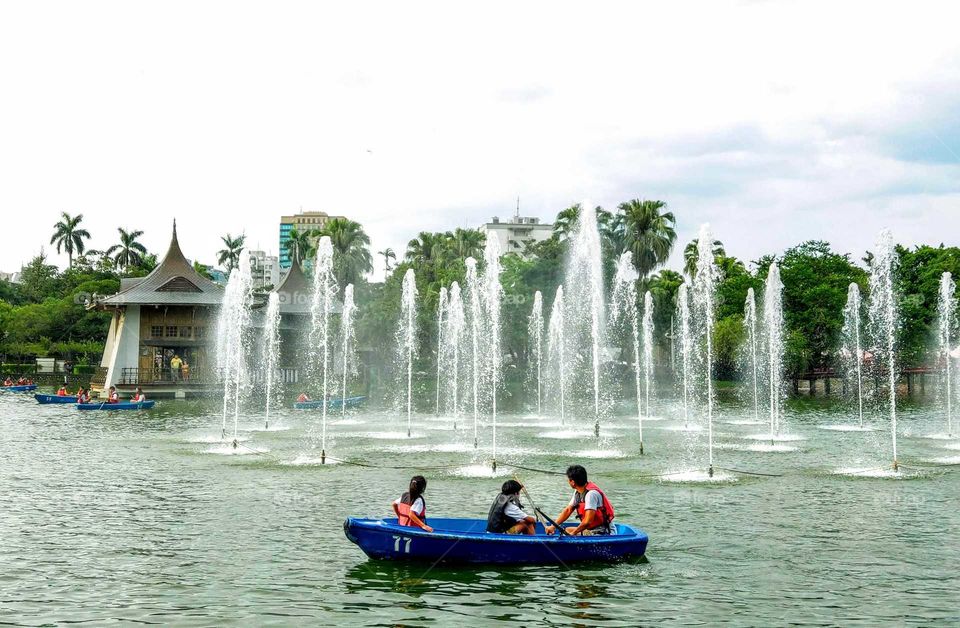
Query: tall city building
{"x": 264, "y": 269}
{"x": 516, "y": 232}
{"x": 304, "y": 221}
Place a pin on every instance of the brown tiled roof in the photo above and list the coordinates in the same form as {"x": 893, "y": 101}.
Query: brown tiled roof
{"x": 173, "y": 282}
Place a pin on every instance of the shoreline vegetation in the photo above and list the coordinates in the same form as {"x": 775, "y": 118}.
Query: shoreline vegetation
{"x": 45, "y": 314}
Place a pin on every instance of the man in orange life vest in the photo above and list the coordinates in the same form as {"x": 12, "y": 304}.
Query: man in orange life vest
{"x": 592, "y": 507}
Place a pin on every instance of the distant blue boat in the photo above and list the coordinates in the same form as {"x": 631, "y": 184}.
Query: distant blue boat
{"x": 332, "y": 404}
{"x": 123, "y": 405}
{"x": 467, "y": 541}
{"x": 26, "y": 388}
{"x": 55, "y": 398}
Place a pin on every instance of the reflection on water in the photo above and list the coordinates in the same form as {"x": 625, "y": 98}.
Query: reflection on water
{"x": 126, "y": 518}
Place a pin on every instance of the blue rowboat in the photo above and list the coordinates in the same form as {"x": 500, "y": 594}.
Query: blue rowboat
{"x": 467, "y": 541}
{"x": 26, "y": 388}
{"x": 123, "y": 405}
{"x": 332, "y": 404}
{"x": 55, "y": 398}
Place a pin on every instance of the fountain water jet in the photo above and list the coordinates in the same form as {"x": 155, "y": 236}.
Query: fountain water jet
{"x": 883, "y": 322}
{"x": 233, "y": 326}
{"x": 773, "y": 333}
{"x": 441, "y": 311}
{"x": 703, "y": 296}
{"x": 686, "y": 349}
{"x": 455, "y": 328}
{"x": 325, "y": 292}
{"x": 623, "y": 305}
{"x": 346, "y": 340}
{"x": 647, "y": 327}
{"x": 535, "y": 334}
{"x": 946, "y": 319}
{"x": 493, "y": 292}
{"x": 852, "y": 344}
{"x": 476, "y": 319}
{"x": 557, "y": 348}
{"x": 271, "y": 350}
{"x": 406, "y": 337}
{"x": 750, "y": 323}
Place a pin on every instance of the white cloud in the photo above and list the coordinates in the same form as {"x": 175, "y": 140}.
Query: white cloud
{"x": 776, "y": 122}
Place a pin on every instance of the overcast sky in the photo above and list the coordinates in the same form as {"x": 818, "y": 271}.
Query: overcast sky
{"x": 775, "y": 122}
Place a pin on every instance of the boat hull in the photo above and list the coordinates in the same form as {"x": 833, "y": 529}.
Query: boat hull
{"x": 466, "y": 541}
{"x": 123, "y": 405}
{"x": 332, "y": 404}
{"x": 55, "y": 398}
{"x": 26, "y": 388}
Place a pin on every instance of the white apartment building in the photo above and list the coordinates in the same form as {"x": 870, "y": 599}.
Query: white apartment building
{"x": 515, "y": 233}
{"x": 265, "y": 269}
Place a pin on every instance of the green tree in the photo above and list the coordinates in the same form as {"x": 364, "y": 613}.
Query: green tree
{"x": 691, "y": 255}
{"x": 464, "y": 243}
{"x": 229, "y": 255}
{"x": 38, "y": 279}
{"x": 387, "y": 254}
{"x": 648, "y": 233}
{"x": 68, "y": 235}
{"x": 351, "y": 248}
{"x": 129, "y": 252}
{"x": 299, "y": 246}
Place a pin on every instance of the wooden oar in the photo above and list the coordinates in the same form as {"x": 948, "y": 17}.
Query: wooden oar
{"x": 537, "y": 511}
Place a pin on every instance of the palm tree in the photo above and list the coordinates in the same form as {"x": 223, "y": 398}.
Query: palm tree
{"x": 647, "y": 233}
{"x": 426, "y": 249}
{"x": 68, "y": 236}
{"x": 230, "y": 255}
{"x": 691, "y": 255}
{"x": 300, "y": 245}
{"x": 565, "y": 221}
{"x": 129, "y": 252}
{"x": 351, "y": 249}
{"x": 464, "y": 243}
{"x": 387, "y": 255}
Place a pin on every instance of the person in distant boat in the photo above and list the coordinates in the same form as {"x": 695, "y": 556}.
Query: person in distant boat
{"x": 411, "y": 508}
{"x": 303, "y": 397}
{"x": 83, "y": 396}
{"x": 185, "y": 370}
{"x": 8, "y": 382}
{"x": 589, "y": 503}
{"x": 62, "y": 392}
{"x": 138, "y": 396}
{"x": 113, "y": 397}
{"x": 506, "y": 515}
{"x": 22, "y": 381}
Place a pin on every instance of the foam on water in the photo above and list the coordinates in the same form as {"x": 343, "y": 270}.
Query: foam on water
{"x": 227, "y": 449}
{"x": 482, "y": 471}
{"x": 692, "y": 428}
{"x": 599, "y": 453}
{"x": 212, "y": 438}
{"x": 272, "y": 428}
{"x": 769, "y": 448}
{"x": 310, "y": 460}
{"x": 846, "y": 428}
{"x": 699, "y": 476}
{"x": 777, "y": 438}
{"x": 875, "y": 472}
{"x": 564, "y": 434}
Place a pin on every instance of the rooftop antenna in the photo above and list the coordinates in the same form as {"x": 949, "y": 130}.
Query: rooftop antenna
{"x": 518, "y": 206}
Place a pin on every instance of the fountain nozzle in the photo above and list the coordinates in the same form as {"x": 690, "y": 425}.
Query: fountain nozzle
{"x": 896, "y": 465}
{"x": 235, "y": 443}
{"x": 710, "y": 471}
{"x": 323, "y": 456}
{"x": 494, "y": 465}
{"x": 596, "y": 428}
{"x": 641, "y": 448}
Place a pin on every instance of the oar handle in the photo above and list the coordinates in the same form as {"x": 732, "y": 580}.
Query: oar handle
{"x": 560, "y": 529}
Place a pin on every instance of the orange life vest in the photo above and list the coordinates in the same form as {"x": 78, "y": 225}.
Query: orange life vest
{"x": 606, "y": 509}
{"x": 403, "y": 508}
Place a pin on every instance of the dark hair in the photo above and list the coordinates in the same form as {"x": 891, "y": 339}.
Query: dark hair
{"x": 578, "y": 474}
{"x": 511, "y": 487}
{"x": 418, "y": 484}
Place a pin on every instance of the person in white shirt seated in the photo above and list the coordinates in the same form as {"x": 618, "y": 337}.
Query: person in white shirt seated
{"x": 506, "y": 514}
{"x": 138, "y": 396}
{"x": 411, "y": 508}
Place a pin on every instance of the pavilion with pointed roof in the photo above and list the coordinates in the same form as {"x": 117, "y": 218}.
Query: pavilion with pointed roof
{"x": 159, "y": 322}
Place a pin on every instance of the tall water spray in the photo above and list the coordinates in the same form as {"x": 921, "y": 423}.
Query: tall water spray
{"x": 233, "y": 326}
{"x": 947, "y": 308}
{"x": 585, "y": 299}
{"x": 475, "y": 304}
{"x": 852, "y": 342}
{"x": 883, "y": 322}
{"x": 535, "y": 335}
{"x": 704, "y": 287}
{"x": 623, "y": 308}
{"x": 347, "y": 334}
{"x": 455, "y": 329}
{"x": 557, "y": 349}
{"x": 325, "y": 291}
{"x": 271, "y": 351}
{"x": 773, "y": 334}
{"x": 407, "y": 337}
{"x": 647, "y": 332}
{"x": 750, "y": 324}
{"x": 686, "y": 349}
{"x": 492, "y": 294}
{"x": 441, "y": 313}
